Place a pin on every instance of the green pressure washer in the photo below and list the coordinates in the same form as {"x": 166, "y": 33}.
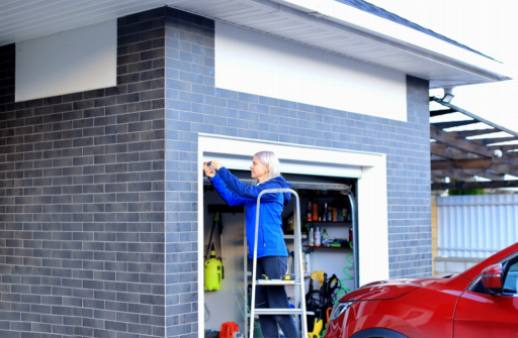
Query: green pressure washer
{"x": 214, "y": 270}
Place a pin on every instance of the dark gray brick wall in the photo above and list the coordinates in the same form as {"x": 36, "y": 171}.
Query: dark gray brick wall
{"x": 81, "y": 200}
{"x": 189, "y": 63}
{"x": 98, "y": 192}
{"x": 194, "y": 105}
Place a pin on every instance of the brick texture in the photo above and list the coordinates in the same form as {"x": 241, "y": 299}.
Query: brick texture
{"x": 81, "y": 200}
{"x": 193, "y": 105}
{"x": 98, "y": 193}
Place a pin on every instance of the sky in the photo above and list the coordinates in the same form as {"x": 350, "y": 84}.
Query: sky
{"x": 484, "y": 25}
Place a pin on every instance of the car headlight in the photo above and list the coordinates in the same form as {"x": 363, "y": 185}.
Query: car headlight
{"x": 338, "y": 309}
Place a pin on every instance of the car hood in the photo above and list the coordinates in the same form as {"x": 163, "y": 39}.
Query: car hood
{"x": 388, "y": 289}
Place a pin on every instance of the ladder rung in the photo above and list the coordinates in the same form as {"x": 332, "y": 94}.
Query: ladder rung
{"x": 278, "y": 311}
{"x": 275, "y": 282}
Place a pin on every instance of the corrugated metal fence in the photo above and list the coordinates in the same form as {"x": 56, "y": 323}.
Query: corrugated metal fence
{"x": 476, "y": 226}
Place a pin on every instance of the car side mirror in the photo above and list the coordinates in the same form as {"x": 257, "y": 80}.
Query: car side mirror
{"x": 492, "y": 277}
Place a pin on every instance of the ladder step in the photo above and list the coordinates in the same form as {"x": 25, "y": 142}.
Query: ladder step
{"x": 276, "y": 282}
{"x": 278, "y": 311}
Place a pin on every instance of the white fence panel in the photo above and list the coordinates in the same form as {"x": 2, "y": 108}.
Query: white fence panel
{"x": 476, "y": 226}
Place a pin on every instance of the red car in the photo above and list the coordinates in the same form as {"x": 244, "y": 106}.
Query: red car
{"x": 480, "y": 302}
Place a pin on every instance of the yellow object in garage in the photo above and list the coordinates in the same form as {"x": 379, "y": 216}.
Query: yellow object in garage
{"x": 214, "y": 272}
{"x": 317, "y": 328}
{"x": 318, "y": 276}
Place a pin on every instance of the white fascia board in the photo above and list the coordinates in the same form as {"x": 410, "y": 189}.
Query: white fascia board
{"x": 415, "y": 41}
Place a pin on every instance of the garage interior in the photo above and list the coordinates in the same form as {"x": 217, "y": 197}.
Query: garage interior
{"x": 327, "y": 228}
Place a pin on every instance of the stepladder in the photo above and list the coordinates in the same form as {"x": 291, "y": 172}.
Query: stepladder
{"x": 298, "y": 311}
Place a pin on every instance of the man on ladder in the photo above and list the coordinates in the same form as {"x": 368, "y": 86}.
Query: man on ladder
{"x": 264, "y": 204}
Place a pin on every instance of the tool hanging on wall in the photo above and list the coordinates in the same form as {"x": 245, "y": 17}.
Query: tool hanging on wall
{"x": 214, "y": 270}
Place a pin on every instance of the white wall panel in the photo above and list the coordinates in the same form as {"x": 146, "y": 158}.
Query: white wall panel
{"x": 256, "y": 63}
{"x": 476, "y": 226}
{"x": 67, "y": 62}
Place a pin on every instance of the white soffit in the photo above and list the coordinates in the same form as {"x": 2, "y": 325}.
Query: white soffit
{"x": 326, "y": 24}
{"x": 339, "y": 28}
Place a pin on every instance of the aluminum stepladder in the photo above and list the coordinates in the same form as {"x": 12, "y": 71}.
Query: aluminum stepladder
{"x": 297, "y": 283}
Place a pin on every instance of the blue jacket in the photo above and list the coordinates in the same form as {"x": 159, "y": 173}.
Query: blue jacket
{"x": 270, "y": 235}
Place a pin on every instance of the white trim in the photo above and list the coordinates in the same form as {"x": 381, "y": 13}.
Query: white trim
{"x": 369, "y": 168}
{"x": 422, "y": 43}
{"x": 201, "y": 242}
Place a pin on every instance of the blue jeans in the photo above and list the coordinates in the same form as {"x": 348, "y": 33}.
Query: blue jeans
{"x": 274, "y": 267}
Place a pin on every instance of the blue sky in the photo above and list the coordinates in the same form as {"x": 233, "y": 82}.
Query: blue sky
{"x": 485, "y": 25}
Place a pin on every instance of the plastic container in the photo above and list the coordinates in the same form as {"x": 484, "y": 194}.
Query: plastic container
{"x": 228, "y": 330}
{"x": 318, "y": 237}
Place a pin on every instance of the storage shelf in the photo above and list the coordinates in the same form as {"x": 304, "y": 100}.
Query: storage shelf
{"x": 292, "y": 236}
{"x": 330, "y": 223}
{"x": 330, "y": 248}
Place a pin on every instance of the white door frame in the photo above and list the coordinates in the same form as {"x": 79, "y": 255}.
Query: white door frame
{"x": 369, "y": 168}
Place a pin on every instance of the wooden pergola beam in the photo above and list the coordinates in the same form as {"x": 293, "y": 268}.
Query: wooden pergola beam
{"x": 473, "y": 116}
{"x": 457, "y": 175}
{"x": 451, "y": 124}
{"x": 446, "y": 152}
{"x": 440, "y": 112}
{"x": 492, "y": 169}
{"x": 460, "y": 159}
{"x": 466, "y": 174}
{"x": 476, "y": 132}
{"x": 488, "y": 141}
{"x": 469, "y": 173}
{"x": 451, "y": 139}
{"x": 488, "y": 173}
{"x": 477, "y": 163}
{"x": 475, "y": 185}
{"x": 504, "y": 148}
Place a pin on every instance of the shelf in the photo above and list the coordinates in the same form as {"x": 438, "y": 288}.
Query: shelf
{"x": 291, "y": 236}
{"x": 330, "y": 248}
{"x": 329, "y": 223}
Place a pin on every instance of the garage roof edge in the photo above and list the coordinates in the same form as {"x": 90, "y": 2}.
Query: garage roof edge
{"x": 401, "y": 33}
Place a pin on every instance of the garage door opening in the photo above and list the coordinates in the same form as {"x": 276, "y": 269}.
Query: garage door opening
{"x": 313, "y": 169}
{"x": 328, "y": 245}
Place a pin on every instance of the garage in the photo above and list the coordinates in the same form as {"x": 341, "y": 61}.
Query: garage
{"x": 324, "y": 182}
{"x": 104, "y": 226}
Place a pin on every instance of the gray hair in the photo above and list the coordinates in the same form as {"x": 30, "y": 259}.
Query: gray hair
{"x": 270, "y": 161}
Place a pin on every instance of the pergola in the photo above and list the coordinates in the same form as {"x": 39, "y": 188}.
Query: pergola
{"x": 468, "y": 151}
